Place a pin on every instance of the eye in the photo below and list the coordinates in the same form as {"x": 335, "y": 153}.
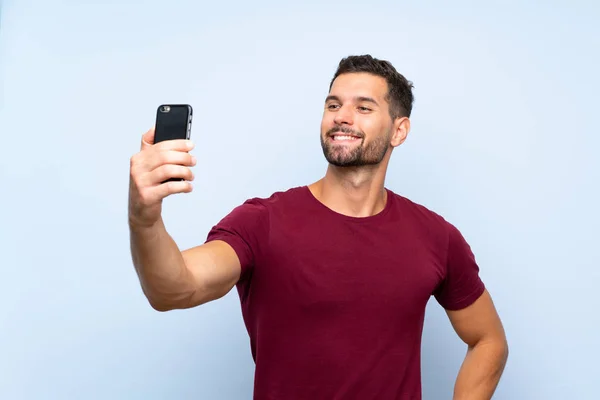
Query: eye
{"x": 333, "y": 106}
{"x": 364, "y": 109}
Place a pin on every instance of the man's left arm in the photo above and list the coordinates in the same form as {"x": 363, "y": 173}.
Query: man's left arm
{"x": 479, "y": 326}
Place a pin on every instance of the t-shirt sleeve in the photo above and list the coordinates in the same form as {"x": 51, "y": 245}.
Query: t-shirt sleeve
{"x": 462, "y": 284}
{"x": 244, "y": 229}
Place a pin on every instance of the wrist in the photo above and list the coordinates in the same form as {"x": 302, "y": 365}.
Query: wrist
{"x": 144, "y": 227}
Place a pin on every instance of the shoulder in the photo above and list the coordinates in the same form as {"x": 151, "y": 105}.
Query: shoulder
{"x": 276, "y": 199}
{"x": 426, "y": 223}
{"x": 253, "y": 216}
{"x": 260, "y": 209}
{"x": 430, "y": 222}
{"x": 420, "y": 213}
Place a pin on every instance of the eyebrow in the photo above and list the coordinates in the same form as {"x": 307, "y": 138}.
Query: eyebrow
{"x": 358, "y": 99}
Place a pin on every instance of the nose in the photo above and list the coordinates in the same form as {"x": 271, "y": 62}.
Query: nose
{"x": 344, "y": 116}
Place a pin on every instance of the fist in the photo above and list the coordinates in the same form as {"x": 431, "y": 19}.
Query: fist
{"x": 149, "y": 174}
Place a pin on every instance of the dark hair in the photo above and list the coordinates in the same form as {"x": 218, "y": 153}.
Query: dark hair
{"x": 399, "y": 96}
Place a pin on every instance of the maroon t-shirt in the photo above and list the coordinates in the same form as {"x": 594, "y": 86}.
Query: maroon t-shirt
{"x": 334, "y": 305}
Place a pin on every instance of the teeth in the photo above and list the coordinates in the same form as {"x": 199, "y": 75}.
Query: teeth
{"x": 338, "y": 137}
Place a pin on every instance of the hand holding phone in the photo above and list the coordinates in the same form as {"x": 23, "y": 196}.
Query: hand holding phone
{"x": 162, "y": 167}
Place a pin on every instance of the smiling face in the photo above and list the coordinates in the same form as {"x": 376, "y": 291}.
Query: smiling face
{"x": 356, "y": 129}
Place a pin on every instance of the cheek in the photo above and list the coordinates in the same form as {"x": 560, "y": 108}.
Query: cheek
{"x": 375, "y": 127}
{"x": 326, "y": 124}
{"x": 368, "y": 127}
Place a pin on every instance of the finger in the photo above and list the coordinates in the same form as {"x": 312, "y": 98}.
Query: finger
{"x": 175, "y": 144}
{"x": 173, "y": 187}
{"x": 169, "y": 157}
{"x": 156, "y": 193}
{"x": 148, "y": 139}
{"x": 168, "y": 171}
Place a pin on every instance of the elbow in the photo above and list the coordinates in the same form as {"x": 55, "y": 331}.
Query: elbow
{"x": 505, "y": 352}
{"x": 502, "y": 346}
{"x": 160, "y": 307}
{"x": 180, "y": 302}
{"x": 160, "y": 303}
{"x": 502, "y": 358}
{"x": 163, "y": 300}
{"x": 499, "y": 351}
{"x": 496, "y": 348}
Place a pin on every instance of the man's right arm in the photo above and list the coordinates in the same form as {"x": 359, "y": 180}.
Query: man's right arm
{"x": 170, "y": 278}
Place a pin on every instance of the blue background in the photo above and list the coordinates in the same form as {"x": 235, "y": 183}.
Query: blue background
{"x": 504, "y": 144}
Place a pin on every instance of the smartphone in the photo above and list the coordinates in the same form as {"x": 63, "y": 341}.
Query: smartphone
{"x": 173, "y": 121}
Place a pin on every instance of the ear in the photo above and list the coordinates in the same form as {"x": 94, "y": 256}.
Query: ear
{"x": 401, "y": 130}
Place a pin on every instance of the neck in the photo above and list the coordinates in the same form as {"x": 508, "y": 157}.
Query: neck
{"x": 353, "y": 191}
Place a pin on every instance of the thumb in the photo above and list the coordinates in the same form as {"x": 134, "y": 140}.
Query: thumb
{"x": 148, "y": 139}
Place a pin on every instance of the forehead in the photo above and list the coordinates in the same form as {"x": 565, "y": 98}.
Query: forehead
{"x": 359, "y": 84}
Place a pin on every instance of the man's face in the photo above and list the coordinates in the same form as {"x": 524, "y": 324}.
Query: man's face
{"x": 356, "y": 128}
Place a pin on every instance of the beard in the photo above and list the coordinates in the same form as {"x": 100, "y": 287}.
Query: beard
{"x": 371, "y": 153}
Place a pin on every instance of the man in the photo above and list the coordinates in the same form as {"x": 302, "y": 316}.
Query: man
{"x": 333, "y": 277}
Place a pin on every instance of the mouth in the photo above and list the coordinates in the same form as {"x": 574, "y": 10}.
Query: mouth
{"x": 344, "y": 138}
